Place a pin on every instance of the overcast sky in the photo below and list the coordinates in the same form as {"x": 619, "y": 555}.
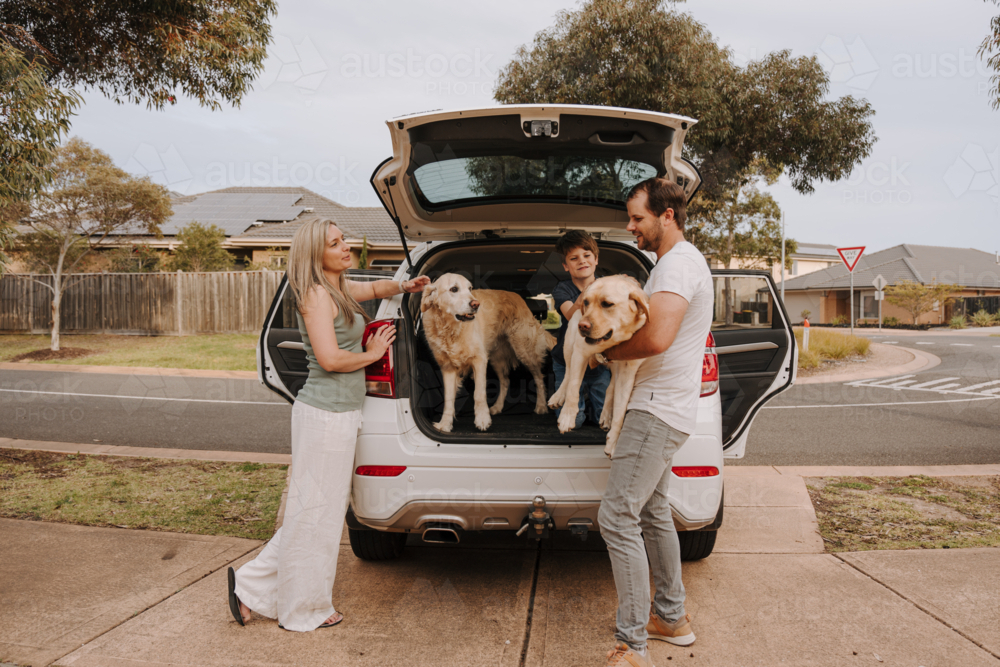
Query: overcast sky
{"x": 338, "y": 70}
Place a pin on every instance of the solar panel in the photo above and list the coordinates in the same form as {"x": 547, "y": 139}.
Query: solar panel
{"x": 234, "y": 212}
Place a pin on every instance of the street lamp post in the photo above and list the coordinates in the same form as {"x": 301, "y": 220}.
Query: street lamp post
{"x": 782, "y": 258}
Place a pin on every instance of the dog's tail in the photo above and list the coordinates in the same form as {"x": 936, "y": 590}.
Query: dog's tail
{"x": 550, "y": 340}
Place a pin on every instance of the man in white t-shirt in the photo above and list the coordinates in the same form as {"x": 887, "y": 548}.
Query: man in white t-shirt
{"x": 661, "y": 415}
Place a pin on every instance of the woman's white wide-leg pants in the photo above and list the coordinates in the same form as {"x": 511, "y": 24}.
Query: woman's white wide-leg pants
{"x": 292, "y": 577}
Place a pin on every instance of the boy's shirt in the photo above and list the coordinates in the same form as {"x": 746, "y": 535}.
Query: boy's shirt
{"x": 563, "y": 292}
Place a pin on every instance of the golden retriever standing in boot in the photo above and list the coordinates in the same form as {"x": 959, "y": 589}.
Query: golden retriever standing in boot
{"x": 614, "y": 308}
{"x": 467, "y": 328}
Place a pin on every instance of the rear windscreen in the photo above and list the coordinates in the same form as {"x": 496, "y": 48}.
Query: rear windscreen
{"x": 590, "y": 161}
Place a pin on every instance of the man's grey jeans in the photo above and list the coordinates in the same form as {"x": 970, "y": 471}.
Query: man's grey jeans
{"x": 635, "y": 508}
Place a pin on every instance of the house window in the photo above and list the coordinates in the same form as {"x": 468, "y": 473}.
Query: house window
{"x": 795, "y": 267}
{"x": 870, "y": 307}
{"x": 279, "y": 261}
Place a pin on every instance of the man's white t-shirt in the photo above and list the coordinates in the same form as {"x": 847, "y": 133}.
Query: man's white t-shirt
{"x": 668, "y": 385}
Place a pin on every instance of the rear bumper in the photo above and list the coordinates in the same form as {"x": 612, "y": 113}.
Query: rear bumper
{"x": 504, "y": 516}
{"x": 499, "y": 499}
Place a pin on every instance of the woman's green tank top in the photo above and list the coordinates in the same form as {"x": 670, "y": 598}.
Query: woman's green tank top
{"x": 333, "y": 391}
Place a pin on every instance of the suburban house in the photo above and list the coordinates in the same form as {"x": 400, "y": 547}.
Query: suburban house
{"x": 826, "y": 293}
{"x": 259, "y": 223}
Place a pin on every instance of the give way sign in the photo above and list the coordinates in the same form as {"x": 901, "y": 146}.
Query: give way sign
{"x": 851, "y": 256}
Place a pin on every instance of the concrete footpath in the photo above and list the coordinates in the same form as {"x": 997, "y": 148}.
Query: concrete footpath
{"x": 105, "y": 597}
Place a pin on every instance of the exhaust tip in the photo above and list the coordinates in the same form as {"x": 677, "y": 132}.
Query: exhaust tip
{"x": 444, "y": 533}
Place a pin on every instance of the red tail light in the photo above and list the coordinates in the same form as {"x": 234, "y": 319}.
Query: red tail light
{"x": 710, "y": 368}
{"x": 379, "y": 378}
{"x": 695, "y": 471}
{"x": 380, "y": 471}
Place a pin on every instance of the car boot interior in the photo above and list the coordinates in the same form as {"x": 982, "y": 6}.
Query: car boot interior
{"x": 530, "y": 269}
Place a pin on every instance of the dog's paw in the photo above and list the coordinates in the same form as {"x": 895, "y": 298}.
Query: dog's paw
{"x": 555, "y": 401}
{"x": 483, "y": 421}
{"x": 610, "y": 441}
{"x": 540, "y": 409}
{"x": 605, "y": 421}
{"x": 567, "y": 420}
{"x": 443, "y": 426}
{"x": 496, "y": 409}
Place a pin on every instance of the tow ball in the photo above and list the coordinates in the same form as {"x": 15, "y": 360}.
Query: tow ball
{"x": 539, "y": 520}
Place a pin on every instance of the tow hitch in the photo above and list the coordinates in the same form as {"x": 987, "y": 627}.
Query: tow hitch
{"x": 539, "y": 519}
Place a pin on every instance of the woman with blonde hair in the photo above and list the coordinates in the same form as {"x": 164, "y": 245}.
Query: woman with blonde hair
{"x": 291, "y": 579}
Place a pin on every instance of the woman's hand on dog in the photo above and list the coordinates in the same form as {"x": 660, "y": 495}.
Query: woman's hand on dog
{"x": 416, "y": 285}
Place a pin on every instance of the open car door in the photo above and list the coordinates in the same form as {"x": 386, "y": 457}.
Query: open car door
{"x": 756, "y": 348}
{"x": 281, "y": 357}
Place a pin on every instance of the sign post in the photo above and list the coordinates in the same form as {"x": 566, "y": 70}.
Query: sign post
{"x": 879, "y": 284}
{"x": 851, "y": 257}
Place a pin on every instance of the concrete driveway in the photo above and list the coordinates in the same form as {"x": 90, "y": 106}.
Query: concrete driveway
{"x": 768, "y": 595}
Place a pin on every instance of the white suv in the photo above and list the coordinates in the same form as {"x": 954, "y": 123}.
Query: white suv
{"x": 487, "y": 192}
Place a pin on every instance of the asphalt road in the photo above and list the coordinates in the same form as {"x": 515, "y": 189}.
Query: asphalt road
{"x": 947, "y": 415}
{"x": 144, "y": 411}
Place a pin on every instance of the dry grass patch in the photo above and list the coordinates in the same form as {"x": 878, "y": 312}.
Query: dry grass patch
{"x": 917, "y": 512}
{"x": 184, "y": 496}
{"x": 230, "y": 352}
{"x": 825, "y": 345}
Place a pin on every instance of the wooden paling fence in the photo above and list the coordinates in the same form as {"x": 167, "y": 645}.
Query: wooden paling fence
{"x": 141, "y": 303}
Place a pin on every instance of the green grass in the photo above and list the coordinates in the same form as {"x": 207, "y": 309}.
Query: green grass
{"x": 824, "y": 345}
{"x": 232, "y": 352}
{"x": 919, "y": 512}
{"x": 184, "y": 496}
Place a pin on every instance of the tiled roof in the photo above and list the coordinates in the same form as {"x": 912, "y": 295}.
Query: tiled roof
{"x": 918, "y": 263}
{"x": 355, "y": 222}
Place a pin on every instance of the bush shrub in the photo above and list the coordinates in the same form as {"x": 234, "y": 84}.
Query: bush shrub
{"x": 839, "y": 320}
{"x": 982, "y": 319}
{"x": 957, "y": 322}
{"x": 825, "y": 345}
{"x": 890, "y": 321}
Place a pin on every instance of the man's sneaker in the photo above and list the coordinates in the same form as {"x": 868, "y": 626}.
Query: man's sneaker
{"x": 678, "y": 632}
{"x": 623, "y": 656}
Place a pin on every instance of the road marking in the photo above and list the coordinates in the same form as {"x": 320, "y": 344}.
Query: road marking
{"x": 141, "y": 398}
{"x": 927, "y": 384}
{"x": 961, "y": 344}
{"x": 890, "y": 342}
{"x": 922, "y": 343}
{"x": 876, "y": 405}
{"x": 937, "y": 388}
{"x": 880, "y": 382}
{"x": 981, "y": 385}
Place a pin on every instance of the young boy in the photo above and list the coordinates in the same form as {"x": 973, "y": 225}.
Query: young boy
{"x": 579, "y": 252}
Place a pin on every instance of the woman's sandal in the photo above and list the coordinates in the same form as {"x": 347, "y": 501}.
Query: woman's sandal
{"x": 325, "y": 625}
{"x": 234, "y": 602}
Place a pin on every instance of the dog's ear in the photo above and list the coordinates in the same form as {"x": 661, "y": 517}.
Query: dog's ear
{"x": 641, "y": 301}
{"x": 427, "y": 296}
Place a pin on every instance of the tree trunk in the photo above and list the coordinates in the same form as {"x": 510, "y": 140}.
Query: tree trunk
{"x": 57, "y": 290}
{"x": 56, "y": 301}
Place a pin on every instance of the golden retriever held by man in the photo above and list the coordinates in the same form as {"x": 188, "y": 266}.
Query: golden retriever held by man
{"x": 467, "y": 328}
{"x": 614, "y": 308}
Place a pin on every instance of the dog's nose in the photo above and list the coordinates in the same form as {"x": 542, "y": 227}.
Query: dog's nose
{"x": 584, "y": 326}
{"x": 474, "y": 304}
